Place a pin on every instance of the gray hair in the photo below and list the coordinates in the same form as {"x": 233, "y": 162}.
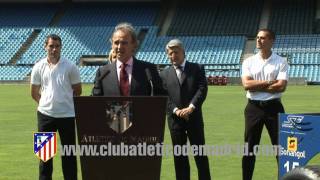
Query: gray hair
{"x": 175, "y": 43}
{"x": 126, "y": 27}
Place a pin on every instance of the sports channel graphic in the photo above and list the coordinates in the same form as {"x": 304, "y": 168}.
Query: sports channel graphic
{"x": 299, "y": 140}
{"x": 45, "y": 145}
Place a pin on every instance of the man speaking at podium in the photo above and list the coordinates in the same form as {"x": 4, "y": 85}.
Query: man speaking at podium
{"x": 126, "y": 76}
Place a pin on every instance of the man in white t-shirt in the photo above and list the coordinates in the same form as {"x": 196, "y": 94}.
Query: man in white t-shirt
{"x": 54, "y": 82}
{"x": 264, "y": 77}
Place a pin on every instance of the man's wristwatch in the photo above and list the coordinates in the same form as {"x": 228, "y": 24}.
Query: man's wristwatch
{"x": 270, "y": 82}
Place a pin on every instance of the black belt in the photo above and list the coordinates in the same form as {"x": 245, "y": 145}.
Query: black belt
{"x": 264, "y": 103}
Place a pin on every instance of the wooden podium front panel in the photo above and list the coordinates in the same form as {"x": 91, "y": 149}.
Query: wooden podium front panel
{"x": 147, "y": 120}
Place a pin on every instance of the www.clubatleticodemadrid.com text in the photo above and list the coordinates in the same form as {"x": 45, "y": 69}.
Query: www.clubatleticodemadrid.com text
{"x": 159, "y": 149}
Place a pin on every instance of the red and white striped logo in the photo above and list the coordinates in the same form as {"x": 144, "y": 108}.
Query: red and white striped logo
{"x": 45, "y": 145}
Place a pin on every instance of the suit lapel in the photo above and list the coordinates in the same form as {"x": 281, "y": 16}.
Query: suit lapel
{"x": 114, "y": 78}
{"x": 174, "y": 86}
{"x": 135, "y": 71}
{"x": 173, "y": 75}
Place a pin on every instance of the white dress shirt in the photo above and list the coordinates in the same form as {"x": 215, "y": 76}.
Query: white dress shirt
{"x": 128, "y": 69}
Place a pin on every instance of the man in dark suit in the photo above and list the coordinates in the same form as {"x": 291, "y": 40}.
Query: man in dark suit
{"x": 186, "y": 85}
{"x": 126, "y": 76}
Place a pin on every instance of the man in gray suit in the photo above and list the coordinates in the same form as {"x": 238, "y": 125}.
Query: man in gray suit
{"x": 186, "y": 85}
{"x": 126, "y": 76}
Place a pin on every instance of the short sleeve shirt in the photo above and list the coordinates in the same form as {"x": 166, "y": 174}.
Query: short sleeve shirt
{"x": 56, "y": 87}
{"x": 273, "y": 68}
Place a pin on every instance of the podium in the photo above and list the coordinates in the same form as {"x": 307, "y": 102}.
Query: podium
{"x": 299, "y": 136}
{"x": 106, "y": 123}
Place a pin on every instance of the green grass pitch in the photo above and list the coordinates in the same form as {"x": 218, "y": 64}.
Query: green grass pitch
{"x": 224, "y": 124}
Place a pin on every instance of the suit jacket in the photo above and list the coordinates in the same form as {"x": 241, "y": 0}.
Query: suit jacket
{"x": 192, "y": 90}
{"x": 106, "y": 82}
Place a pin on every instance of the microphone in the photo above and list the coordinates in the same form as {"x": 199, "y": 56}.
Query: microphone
{"x": 149, "y": 77}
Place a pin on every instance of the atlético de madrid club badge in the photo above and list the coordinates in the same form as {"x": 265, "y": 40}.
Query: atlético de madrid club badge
{"x": 45, "y": 145}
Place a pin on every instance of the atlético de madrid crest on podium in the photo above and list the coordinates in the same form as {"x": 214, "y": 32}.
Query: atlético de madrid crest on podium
{"x": 45, "y": 145}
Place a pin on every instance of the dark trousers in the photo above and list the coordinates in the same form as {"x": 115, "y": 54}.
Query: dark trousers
{"x": 256, "y": 115}
{"x": 181, "y": 163}
{"x": 66, "y": 129}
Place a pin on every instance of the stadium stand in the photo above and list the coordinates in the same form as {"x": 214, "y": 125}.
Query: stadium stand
{"x": 219, "y": 50}
{"x": 238, "y": 17}
{"x": 225, "y": 17}
{"x": 297, "y": 43}
{"x": 214, "y": 33}
{"x": 76, "y": 41}
{"x": 292, "y": 16}
{"x": 205, "y": 50}
{"x": 192, "y": 20}
{"x": 302, "y": 52}
{"x": 88, "y": 73}
{"x": 11, "y": 40}
{"x": 14, "y": 73}
{"x": 25, "y": 15}
{"x": 110, "y": 14}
